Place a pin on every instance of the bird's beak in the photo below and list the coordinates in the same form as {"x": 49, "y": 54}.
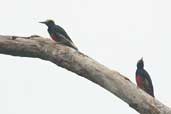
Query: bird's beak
{"x": 43, "y": 22}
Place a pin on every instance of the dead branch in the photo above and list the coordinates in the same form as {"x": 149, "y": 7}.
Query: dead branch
{"x": 77, "y": 62}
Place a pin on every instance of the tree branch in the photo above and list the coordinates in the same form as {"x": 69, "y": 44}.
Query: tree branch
{"x": 77, "y": 62}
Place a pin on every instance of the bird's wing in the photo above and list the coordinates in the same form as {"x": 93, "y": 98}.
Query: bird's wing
{"x": 62, "y": 31}
{"x": 148, "y": 84}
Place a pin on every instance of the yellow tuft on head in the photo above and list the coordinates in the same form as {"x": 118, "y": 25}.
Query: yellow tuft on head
{"x": 50, "y": 20}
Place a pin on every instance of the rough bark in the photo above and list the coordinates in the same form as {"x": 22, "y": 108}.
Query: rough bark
{"x": 77, "y": 62}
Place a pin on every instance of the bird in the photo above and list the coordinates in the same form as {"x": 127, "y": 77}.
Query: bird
{"x": 143, "y": 79}
{"x": 58, "y": 34}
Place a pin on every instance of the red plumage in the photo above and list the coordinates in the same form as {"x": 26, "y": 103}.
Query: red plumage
{"x": 139, "y": 81}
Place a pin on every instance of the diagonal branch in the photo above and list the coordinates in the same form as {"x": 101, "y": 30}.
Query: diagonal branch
{"x": 77, "y": 62}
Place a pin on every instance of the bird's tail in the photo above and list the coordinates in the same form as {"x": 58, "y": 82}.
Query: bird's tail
{"x": 72, "y": 45}
{"x": 67, "y": 42}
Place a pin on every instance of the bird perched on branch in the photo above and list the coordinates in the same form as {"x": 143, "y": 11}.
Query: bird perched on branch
{"x": 143, "y": 78}
{"x": 58, "y": 34}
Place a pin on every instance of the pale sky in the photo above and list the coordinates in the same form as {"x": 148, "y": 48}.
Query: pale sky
{"x": 116, "y": 33}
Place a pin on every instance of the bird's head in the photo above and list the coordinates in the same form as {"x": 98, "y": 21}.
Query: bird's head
{"x": 140, "y": 63}
{"x": 48, "y": 22}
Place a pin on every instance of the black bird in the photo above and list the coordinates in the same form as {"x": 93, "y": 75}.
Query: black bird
{"x": 58, "y": 34}
{"x": 143, "y": 78}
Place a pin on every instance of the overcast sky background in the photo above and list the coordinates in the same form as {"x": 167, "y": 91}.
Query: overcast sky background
{"x": 116, "y": 33}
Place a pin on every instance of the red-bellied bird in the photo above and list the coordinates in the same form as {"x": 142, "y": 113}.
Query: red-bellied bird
{"x": 143, "y": 78}
{"x": 58, "y": 34}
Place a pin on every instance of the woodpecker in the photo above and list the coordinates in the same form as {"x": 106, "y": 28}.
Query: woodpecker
{"x": 143, "y": 78}
{"x": 58, "y": 34}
